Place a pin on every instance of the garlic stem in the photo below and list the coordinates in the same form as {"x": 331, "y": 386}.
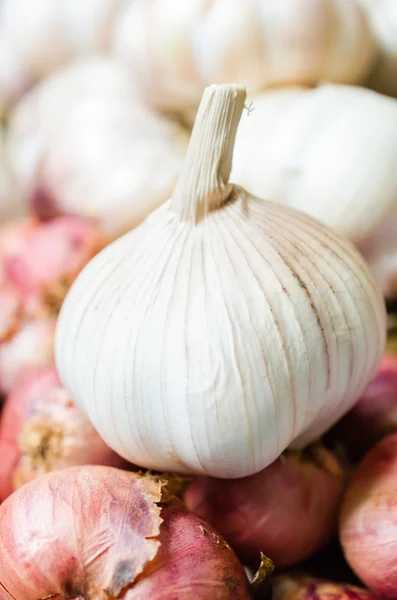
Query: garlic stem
{"x": 204, "y": 182}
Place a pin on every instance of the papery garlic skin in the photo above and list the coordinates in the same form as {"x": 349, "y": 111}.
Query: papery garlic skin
{"x": 81, "y": 143}
{"x": 177, "y": 48}
{"x": 383, "y": 19}
{"x": 224, "y": 327}
{"x": 331, "y": 152}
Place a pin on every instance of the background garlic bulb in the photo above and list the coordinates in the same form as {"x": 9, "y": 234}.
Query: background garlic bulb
{"x": 80, "y": 143}
{"x": 224, "y": 327}
{"x": 331, "y": 152}
{"x": 380, "y": 251}
{"x": 15, "y": 78}
{"x": 11, "y": 204}
{"x": 383, "y": 19}
{"x": 47, "y": 34}
{"x": 39, "y": 36}
{"x": 176, "y": 48}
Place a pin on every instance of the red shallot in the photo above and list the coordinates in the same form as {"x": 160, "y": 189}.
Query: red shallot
{"x": 288, "y": 510}
{"x": 302, "y": 587}
{"x": 38, "y": 263}
{"x": 12, "y": 237}
{"x": 368, "y": 524}
{"x": 28, "y": 347}
{"x": 97, "y": 532}
{"x": 374, "y": 416}
{"x": 41, "y": 430}
{"x": 49, "y": 259}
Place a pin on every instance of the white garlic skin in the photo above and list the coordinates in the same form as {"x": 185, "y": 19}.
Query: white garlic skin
{"x": 176, "y": 48}
{"x": 83, "y": 138}
{"x": 210, "y": 348}
{"x": 383, "y": 19}
{"x": 330, "y": 151}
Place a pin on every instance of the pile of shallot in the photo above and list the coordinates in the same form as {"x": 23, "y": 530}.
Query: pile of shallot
{"x": 198, "y": 268}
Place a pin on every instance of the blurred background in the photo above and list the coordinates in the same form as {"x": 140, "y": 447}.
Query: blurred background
{"x": 98, "y": 97}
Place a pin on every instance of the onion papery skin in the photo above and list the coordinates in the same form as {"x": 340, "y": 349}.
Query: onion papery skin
{"x": 109, "y": 533}
{"x": 373, "y": 417}
{"x": 288, "y": 511}
{"x": 41, "y": 430}
{"x": 368, "y": 521}
{"x": 38, "y": 263}
{"x": 301, "y": 587}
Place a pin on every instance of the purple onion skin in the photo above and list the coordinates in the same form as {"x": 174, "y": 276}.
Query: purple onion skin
{"x": 288, "y": 511}
{"x": 303, "y": 587}
{"x": 373, "y": 417}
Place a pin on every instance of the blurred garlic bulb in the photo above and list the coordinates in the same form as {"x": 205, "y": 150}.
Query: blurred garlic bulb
{"x": 383, "y": 19}
{"x": 331, "y": 152}
{"x": 15, "y": 78}
{"x": 380, "y": 251}
{"x": 80, "y": 143}
{"x": 176, "y": 48}
{"x": 11, "y": 204}
{"x": 47, "y": 34}
{"x": 224, "y": 327}
{"x": 39, "y": 36}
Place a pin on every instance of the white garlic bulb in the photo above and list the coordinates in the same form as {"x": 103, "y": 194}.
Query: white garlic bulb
{"x": 39, "y": 36}
{"x": 223, "y": 328}
{"x": 15, "y": 78}
{"x": 331, "y": 152}
{"x": 11, "y": 204}
{"x": 81, "y": 143}
{"x": 47, "y": 34}
{"x": 176, "y": 48}
{"x": 380, "y": 251}
{"x": 383, "y": 19}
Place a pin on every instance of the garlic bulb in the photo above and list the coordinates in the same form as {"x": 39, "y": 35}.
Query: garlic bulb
{"x": 11, "y": 204}
{"x": 39, "y": 36}
{"x": 224, "y": 327}
{"x": 383, "y": 19}
{"x": 176, "y": 48}
{"x": 380, "y": 251}
{"x": 331, "y": 152}
{"x": 47, "y": 34}
{"x": 15, "y": 78}
{"x": 80, "y": 143}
